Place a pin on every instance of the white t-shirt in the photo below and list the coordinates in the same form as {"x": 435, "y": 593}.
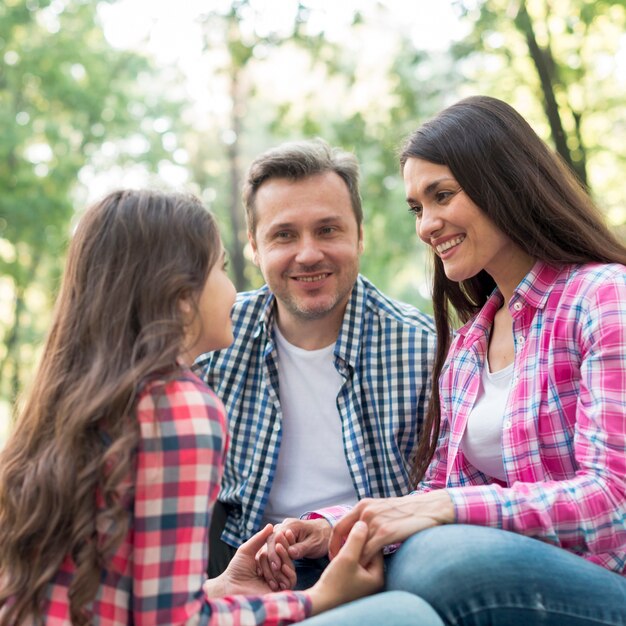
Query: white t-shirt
{"x": 312, "y": 471}
{"x": 482, "y": 440}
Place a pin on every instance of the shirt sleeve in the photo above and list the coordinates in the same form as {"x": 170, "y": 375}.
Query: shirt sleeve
{"x": 332, "y": 514}
{"x": 587, "y": 511}
{"x": 179, "y": 468}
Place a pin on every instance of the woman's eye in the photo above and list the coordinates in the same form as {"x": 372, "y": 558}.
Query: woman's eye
{"x": 415, "y": 210}
{"x": 442, "y": 196}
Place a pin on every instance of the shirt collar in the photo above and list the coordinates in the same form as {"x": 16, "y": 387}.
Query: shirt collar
{"x": 347, "y": 346}
{"x": 533, "y": 291}
{"x": 535, "y": 288}
{"x": 266, "y": 314}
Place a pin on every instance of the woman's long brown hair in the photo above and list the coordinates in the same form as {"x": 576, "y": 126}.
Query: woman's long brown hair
{"x": 117, "y": 322}
{"x": 529, "y": 194}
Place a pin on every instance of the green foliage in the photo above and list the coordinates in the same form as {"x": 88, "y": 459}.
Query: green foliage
{"x": 63, "y": 92}
{"x": 576, "y": 43}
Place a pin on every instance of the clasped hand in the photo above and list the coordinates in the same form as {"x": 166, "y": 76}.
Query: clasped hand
{"x": 347, "y": 578}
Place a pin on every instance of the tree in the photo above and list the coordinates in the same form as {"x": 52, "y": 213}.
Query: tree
{"x": 63, "y": 92}
{"x": 562, "y": 54}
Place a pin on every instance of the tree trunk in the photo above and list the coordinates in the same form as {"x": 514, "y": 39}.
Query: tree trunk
{"x": 546, "y": 69}
{"x": 237, "y": 258}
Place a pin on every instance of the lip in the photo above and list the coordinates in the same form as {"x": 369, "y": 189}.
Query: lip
{"x": 312, "y": 280}
{"x": 459, "y": 238}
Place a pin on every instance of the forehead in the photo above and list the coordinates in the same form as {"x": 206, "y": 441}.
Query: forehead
{"x": 316, "y": 197}
{"x": 420, "y": 174}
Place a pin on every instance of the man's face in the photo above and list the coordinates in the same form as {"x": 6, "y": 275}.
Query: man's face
{"x": 307, "y": 245}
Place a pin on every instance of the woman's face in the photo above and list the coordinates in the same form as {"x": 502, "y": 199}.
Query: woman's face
{"x": 461, "y": 235}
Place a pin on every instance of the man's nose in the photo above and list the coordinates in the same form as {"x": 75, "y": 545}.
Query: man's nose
{"x": 309, "y": 251}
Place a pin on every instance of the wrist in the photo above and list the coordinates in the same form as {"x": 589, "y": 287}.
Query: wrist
{"x": 215, "y": 587}
{"x": 320, "y": 600}
{"x": 445, "y": 513}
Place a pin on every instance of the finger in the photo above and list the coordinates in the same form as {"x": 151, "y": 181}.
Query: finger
{"x": 267, "y": 572}
{"x": 353, "y": 546}
{"x": 373, "y": 547}
{"x": 285, "y": 581}
{"x": 256, "y": 542}
{"x": 290, "y": 574}
{"x": 272, "y": 544}
{"x": 340, "y": 532}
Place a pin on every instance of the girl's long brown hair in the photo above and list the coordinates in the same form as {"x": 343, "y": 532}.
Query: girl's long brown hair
{"x": 117, "y": 322}
{"x": 529, "y": 194}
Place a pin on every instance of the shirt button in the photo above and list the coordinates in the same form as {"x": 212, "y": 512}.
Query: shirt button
{"x": 276, "y": 425}
{"x": 264, "y": 479}
{"x": 508, "y": 424}
{"x": 521, "y": 341}
{"x": 517, "y": 306}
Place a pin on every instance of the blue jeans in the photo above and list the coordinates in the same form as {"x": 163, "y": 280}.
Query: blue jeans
{"x": 476, "y": 576}
{"x": 392, "y": 608}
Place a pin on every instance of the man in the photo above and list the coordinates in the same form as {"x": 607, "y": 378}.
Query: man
{"x": 327, "y": 381}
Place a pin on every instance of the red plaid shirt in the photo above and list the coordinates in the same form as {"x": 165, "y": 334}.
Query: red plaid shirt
{"x": 156, "y": 574}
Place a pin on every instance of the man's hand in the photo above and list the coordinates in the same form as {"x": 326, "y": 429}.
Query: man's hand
{"x": 391, "y": 520}
{"x": 241, "y": 575}
{"x": 292, "y": 539}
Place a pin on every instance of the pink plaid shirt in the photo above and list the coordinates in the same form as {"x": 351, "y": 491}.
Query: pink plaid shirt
{"x": 564, "y": 426}
{"x": 156, "y": 575}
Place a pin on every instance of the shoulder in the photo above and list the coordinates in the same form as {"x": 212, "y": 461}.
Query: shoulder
{"x": 180, "y": 397}
{"x": 395, "y": 312}
{"x": 591, "y": 275}
{"x": 250, "y": 305}
{"x": 596, "y": 284}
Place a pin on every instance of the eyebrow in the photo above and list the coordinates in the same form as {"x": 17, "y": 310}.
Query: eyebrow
{"x": 430, "y": 188}
{"x": 325, "y": 220}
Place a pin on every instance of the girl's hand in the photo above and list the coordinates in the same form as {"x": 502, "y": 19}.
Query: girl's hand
{"x": 242, "y": 575}
{"x": 392, "y": 520}
{"x": 348, "y": 576}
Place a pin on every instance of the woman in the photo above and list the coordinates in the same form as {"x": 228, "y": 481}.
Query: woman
{"x": 107, "y": 482}
{"x": 520, "y": 517}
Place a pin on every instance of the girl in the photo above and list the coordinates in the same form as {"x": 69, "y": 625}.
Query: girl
{"x": 107, "y": 482}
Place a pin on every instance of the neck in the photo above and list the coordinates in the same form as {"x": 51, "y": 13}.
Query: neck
{"x": 510, "y": 273}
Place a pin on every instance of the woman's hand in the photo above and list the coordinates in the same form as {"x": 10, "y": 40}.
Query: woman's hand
{"x": 348, "y": 576}
{"x": 242, "y": 575}
{"x": 392, "y": 520}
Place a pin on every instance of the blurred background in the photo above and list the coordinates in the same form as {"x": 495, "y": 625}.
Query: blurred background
{"x": 101, "y": 94}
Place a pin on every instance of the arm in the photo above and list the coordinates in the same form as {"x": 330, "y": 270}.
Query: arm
{"x": 586, "y": 440}
{"x": 179, "y": 467}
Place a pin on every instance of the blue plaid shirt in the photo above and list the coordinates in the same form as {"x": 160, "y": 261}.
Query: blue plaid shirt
{"x": 384, "y": 352}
